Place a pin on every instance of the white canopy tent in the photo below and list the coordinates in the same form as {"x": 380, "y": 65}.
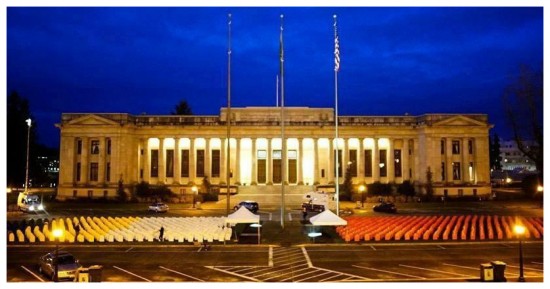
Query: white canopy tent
{"x": 242, "y": 215}
{"x": 327, "y": 218}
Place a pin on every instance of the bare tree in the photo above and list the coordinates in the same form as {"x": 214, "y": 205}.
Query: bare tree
{"x": 523, "y": 105}
{"x": 182, "y": 108}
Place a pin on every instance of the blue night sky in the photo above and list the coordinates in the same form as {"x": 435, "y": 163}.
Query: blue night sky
{"x": 393, "y": 60}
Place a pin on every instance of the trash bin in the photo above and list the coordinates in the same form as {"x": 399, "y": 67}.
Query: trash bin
{"x": 486, "y": 272}
{"x": 498, "y": 271}
{"x": 82, "y": 275}
{"x": 198, "y": 205}
{"x": 95, "y": 273}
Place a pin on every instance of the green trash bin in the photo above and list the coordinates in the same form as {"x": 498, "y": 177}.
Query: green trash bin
{"x": 498, "y": 271}
{"x": 486, "y": 272}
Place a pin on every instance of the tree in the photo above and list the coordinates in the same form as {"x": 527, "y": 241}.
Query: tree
{"x": 523, "y": 105}
{"x": 18, "y": 112}
{"x": 121, "y": 194}
{"x": 429, "y": 183}
{"x": 494, "y": 153}
{"x": 406, "y": 189}
{"x": 182, "y": 108}
{"x": 347, "y": 186}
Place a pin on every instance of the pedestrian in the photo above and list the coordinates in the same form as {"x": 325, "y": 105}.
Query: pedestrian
{"x": 161, "y": 234}
{"x": 304, "y": 213}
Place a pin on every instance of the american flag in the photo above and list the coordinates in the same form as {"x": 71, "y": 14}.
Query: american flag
{"x": 336, "y": 49}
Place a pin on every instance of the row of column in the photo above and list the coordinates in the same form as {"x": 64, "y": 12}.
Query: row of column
{"x": 86, "y": 158}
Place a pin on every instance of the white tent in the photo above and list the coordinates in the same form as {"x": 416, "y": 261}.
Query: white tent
{"x": 242, "y": 215}
{"x": 327, "y": 218}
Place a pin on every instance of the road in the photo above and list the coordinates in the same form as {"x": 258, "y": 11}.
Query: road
{"x": 390, "y": 262}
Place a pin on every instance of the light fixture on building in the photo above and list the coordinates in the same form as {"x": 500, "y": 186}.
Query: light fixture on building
{"x": 381, "y": 165}
{"x": 397, "y": 160}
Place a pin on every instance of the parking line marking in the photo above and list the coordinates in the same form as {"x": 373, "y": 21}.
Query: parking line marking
{"x": 270, "y": 262}
{"x": 280, "y": 269}
{"x": 341, "y": 273}
{"x": 459, "y": 266}
{"x": 443, "y": 248}
{"x": 525, "y": 268}
{"x": 129, "y": 249}
{"x": 174, "y": 271}
{"x": 143, "y": 278}
{"x": 315, "y": 276}
{"x": 507, "y": 246}
{"x": 282, "y": 274}
{"x": 372, "y": 247}
{"x": 231, "y": 273}
{"x": 330, "y": 277}
{"x": 390, "y": 272}
{"x": 32, "y": 273}
{"x": 438, "y": 271}
{"x": 539, "y": 263}
{"x": 309, "y": 264}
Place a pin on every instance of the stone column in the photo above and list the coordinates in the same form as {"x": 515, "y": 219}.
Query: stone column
{"x": 177, "y": 161}
{"x": 361, "y": 161}
{"x": 300, "y": 160}
{"x": 449, "y": 160}
{"x": 84, "y": 164}
{"x": 405, "y": 160}
{"x": 162, "y": 167}
{"x": 145, "y": 160}
{"x": 207, "y": 159}
{"x": 331, "y": 161}
{"x": 101, "y": 161}
{"x": 375, "y": 162}
{"x": 237, "y": 172}
{"x": 391, "y": 160}
{"x": 465, "y": 174}
{"x": 345, "y": 160}
{"x": 269, "y": 170}
{"x": 254, "y": 162}
{"x": 223, "y": 160}
{"x": 316, "y": 160}
{"x": 192, "y": 162}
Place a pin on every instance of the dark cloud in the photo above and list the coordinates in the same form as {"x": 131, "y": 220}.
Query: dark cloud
{"x": 394, "y": 60}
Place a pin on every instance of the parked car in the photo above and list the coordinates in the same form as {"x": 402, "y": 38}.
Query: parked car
{"x": 66, "y": 268}
{"x": 158, "y": 207}
{"x": 386, "y": 207}
{"x": 250, "y": 205}
{"x": 310, "y": 207}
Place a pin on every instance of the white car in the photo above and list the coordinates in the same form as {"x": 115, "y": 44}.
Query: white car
{"x": 158, "y": 207}
{"x": 66, "y": 269}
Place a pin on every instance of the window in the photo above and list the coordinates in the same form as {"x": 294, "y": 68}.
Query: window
{"x": 353, "y": 162}
{"x": 262, "y": 161}
{"x": 442, "y": 146}
{"x": 108, "y": 146}
{"x": 94, "y": 172}
{"x": 94, "y": 147}
{"x": 90, "y": 194}
{"x": 78, "y": 172}
{"x": 141, "y": 173}
{"x": 471, "y": 171}
{"x": 456, "y": 171}
{"x": 105, "y": 194}
{"x": 200, "y": 163}
{"x": 292, "y": 166}
{"x": 382, "y": 164}
{"x": 339, "y": 164}
{"x": 368, "y": 163}
{"x": 75, "y": 193}
{"x": 322, "y": 173}
{"x": 215, "y": 163}
{"x": 470, "y": 146}
{"x": 276, "y": 167}
{"x": 443, "y": 171}
{"x": 169, "y": 163}
{"x": 456, "y": 147}
{"x": 79, "y": 146}
{"x": 184, "y": 163}
{"x": 397, "y": 160}
{"x": 108, "y": 172}
{"x": 154, "y": 163}
{"x": 460, "y": 192}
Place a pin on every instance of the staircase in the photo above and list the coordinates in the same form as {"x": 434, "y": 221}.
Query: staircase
{"x": 270, "y": 195}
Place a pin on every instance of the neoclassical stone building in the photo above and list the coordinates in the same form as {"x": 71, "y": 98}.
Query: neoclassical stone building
{"x": 98, "y": 150}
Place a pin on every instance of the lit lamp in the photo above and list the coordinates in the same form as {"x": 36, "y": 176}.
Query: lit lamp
{"x": 362, "y": 191}
{"x": 540, "y": 188}
{"x": 195, "y": 191}
{"x": 520, "y": 230}
{"x": 57, "y": 233}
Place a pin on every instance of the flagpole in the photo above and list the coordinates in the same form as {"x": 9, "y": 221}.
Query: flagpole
{"x": 283, "y": 141}
{"x": 277, "y": 92}
{"x": 228, "y": 117}
{"x": 336, "y": 68}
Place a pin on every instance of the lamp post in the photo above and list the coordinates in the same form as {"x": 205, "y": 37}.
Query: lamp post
{"x": 195, "y": 191}
{"x": 520, "y": 230}
{"x": 362, "y": 191}
{"x": 29, "y": 123}
{"x": 57, "y": 233}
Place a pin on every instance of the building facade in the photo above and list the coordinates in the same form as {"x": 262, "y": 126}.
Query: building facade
{"x": 98, "y": 151}
{"x": 513, "y": 158}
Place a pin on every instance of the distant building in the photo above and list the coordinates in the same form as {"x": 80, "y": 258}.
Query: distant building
{"x": 98, "y": 150}
{"x": 513, "y": 158}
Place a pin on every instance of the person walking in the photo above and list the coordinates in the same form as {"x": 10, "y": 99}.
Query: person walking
{"x": 161, "y": 234}
{"x": 304, "y": 213}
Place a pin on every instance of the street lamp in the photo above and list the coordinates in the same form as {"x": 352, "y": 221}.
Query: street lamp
{"x": 520, "y": 230}
{"x": 195, "y": 191}
{"x": 362, "y": 191}
{"x": 57, "y": 233}
{"x": 29, "y": 123}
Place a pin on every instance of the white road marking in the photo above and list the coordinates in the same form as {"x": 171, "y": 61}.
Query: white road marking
{"x": 231, "y": 273}
{"x": 538, "y": 263}
{"x": 390, "y": 272}
{"x": 315, "y": 276}
{"x": 525, "y": 268}
{"x": 441, "y": 247}
{"x": 126, "y": 271}
{"x": 129, "y": 249}
{"x": 289, "y": 273}
{"x": 174, "y": 271}
{"x": 438, "y": 271}
{"x": 270, "y": 262}
{"x": 32, "y": 273}
{"x": 309, "y": 264}
{"x": 330, "y": 277}
{"x": 459, "y": 266}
